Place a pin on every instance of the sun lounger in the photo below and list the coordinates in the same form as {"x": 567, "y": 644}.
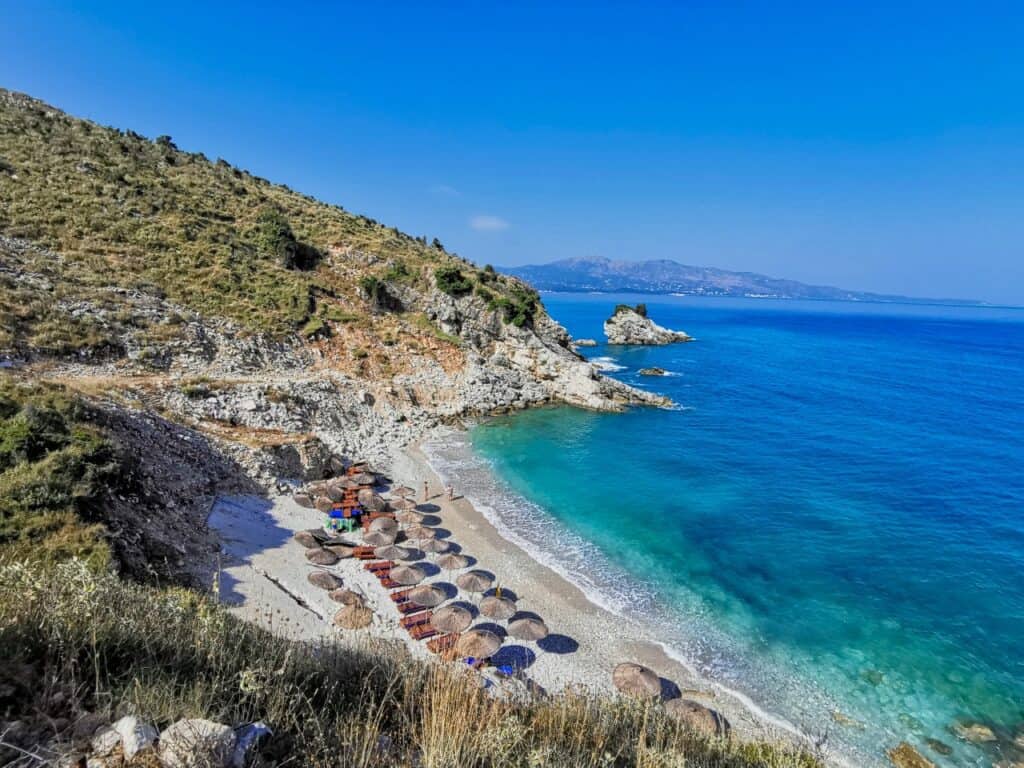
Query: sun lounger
{"x": 408, "y": 606}
{"x": 422, "y": 631}
{"x": 401, "y": 595}
{"x": 443, "y": 644}
{"x": 380, "y": 565}
{"x": 364, "y": 553}
{"x": 387, "y": 583}
{"x": 420, "y": 617}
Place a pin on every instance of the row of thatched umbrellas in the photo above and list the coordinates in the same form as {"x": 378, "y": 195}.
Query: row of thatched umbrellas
{"x": 637, "y": 680}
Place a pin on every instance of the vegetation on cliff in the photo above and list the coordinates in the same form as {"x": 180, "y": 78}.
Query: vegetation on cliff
{"x": 117, "y": 209}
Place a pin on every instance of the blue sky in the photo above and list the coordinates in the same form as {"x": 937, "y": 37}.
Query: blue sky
{"x": 868, "y": 147}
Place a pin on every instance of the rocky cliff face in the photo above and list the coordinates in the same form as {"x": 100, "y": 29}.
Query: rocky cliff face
{"x": 627, "y": 326}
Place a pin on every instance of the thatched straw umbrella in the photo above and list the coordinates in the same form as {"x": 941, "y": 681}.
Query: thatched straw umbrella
{"x": 499, "y": 608}
{"x": 346, "y": 597}
{"x": 324, "y": 580}
{"x": 303, "y": 500}
{"x": 528, "y": 629}
{"x": 475, "y": 581}
{"x": 392, "y": 552}
{"x": 420, "y": 533}
{"x": 341, "y": 550}
{"x": 364, "y": 478}
{"x": 410, "y": 517}
{"x": 699, "y": 718}
{"x": 453, "y": 562}
{"x": 323, "y": 504}
{"x": 321, "y": 556}
{"x": 335, "y": 492}
{"x": 379, "y": 538}
{"x": 636, "y": 680}
{"x": 308, "y": 539}
{"x": 354, "y": 617}
{"x": 427, "y": 595}
{"x": 403, "y": 491}
{"x": 407, "y": 574}
{"x": 383, "y": 524}
{"x": 435, "y": 546}
{"x": 451, "y": 618}
{"x": 479, "y": 643}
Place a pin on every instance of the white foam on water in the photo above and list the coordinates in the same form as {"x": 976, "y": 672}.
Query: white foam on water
{"x": 606, "y": 364}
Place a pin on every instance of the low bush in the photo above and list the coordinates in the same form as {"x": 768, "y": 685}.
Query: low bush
{"x": 451, "y": 280}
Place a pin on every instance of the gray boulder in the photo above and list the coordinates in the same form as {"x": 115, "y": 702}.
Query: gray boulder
{"x": 135, "y": 735}
{"x": 197, "y": 743}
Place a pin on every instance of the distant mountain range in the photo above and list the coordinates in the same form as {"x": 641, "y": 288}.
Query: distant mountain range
{"x": 666, "y": 276}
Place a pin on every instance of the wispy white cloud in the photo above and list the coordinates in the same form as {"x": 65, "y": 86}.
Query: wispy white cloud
{"x": 487, "y": 223}
{"x": 444, "y": 189}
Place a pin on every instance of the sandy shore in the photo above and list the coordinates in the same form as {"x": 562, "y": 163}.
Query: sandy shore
{"x": 263, "y": 577}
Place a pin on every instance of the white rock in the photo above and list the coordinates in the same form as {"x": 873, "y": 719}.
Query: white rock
{"x": 135, "y": 734}
{"x": 197, "y": 743}
{"x": 104, "y": 741}
{"x": 627, "y": 326}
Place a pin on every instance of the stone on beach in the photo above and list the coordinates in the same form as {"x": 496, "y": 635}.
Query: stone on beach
{"x": 197, "y": 743}
{"x": 321, "y": 556}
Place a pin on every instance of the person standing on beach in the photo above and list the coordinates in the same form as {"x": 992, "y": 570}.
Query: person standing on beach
{"x": 451, "y": 493}
{"x": 425, "y": 496}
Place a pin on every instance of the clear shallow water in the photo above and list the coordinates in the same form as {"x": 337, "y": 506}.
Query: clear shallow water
{"x": 833, "y": 521}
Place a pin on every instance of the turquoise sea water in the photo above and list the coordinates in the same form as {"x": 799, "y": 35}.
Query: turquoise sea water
{"x": 832, "y": 520}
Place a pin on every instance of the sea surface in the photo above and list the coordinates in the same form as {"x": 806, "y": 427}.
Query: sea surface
{"x": 830, "y": 522}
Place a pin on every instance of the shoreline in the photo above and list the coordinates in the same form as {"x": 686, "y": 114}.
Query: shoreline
{"x": 564, "y": 604}
{"x": 262, "y": 577}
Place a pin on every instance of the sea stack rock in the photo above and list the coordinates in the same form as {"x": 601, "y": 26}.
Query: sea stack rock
{"x": 630, "y": 325}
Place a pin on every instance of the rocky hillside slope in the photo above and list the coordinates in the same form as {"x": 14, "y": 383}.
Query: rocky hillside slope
{"x": 250, "y": 312}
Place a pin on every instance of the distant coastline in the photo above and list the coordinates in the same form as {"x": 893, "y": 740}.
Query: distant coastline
{"x": 666, "y": 277}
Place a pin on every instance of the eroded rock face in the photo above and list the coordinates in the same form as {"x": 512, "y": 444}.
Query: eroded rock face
{"x": 627, "y": 326}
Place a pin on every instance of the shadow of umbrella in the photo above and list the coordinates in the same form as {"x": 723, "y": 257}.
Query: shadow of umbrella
{"x": 560, "y": 644}
{"x": 515, "y": 656}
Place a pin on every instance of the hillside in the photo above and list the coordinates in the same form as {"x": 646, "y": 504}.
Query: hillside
{"x": 665, "y": 276}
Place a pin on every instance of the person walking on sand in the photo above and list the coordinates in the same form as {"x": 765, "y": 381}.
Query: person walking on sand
{"x": 451, "y": 493}
{"x": 425, "y": 496}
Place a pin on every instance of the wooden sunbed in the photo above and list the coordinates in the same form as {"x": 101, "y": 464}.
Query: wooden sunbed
{"x": 401, "y": 595}
{"x": 413, "y": 619}
{"x": 364, "y": 553}
{"x": 422, "y": 631}
{"x": 443, "y": 644}
{"x": 407, "y": 607}
{"x": 380, "y": 565}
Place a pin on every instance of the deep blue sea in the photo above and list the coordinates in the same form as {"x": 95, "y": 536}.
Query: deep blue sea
{"x": 831, "y": 521}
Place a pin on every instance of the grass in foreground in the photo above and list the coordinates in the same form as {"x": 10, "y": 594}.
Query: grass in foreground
{"x": 78, "y": 641}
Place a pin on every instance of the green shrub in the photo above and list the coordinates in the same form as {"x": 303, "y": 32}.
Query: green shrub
{"x": 451, "y": 280}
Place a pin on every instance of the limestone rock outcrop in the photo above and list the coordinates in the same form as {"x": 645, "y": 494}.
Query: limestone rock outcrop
{"x": 629, "y": 325}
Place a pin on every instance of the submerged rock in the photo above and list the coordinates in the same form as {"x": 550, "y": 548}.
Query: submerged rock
{"x": 974, "y": 732}
{"x": 652, "y": 371}
{"x": 939, "y": 747}
{"x": 905, "y": 756}
{"x": 632, "y": 326}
